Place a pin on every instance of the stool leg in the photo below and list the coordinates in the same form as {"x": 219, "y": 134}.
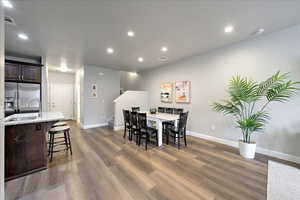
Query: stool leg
{"x": 49, "y": 143}
{"x": 66, "y": 140}
{"x": 52, "y": 145}
{"x": 70, "y": 141}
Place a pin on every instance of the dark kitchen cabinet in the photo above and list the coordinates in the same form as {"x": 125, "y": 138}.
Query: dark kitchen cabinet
{"x": 31, "y": 74}
{"x": 25, "y": 149}
{"x": 22, "y": 73}
{"x": 12, "y": 72}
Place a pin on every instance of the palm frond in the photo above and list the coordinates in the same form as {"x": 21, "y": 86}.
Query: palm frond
{"x": 277, "y": 78}
{"x": 282, "y": 92}
{"x": 243, "y": 90}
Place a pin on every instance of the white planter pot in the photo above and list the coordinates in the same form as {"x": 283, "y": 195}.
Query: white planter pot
{"x": 247, "y": 150}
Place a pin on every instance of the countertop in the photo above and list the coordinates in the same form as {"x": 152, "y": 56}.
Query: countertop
{"x": 29, "y": 118}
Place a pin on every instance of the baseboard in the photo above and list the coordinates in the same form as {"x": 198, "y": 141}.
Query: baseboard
{"x": 235, "y": 144}
{"x": 118, "y": 128}
{"x": 93, "y": 125}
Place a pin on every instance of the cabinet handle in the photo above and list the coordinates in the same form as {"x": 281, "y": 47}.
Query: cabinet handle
{"x": 38, "y": 127}
{"x": 22, "y": 77}
{"x": 19, "y": 77}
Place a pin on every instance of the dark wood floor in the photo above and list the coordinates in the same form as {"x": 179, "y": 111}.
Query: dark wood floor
{"x": 104, "y": 166}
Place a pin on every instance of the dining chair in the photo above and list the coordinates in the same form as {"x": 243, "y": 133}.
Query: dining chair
{"x": 177, "y": 111}
{"x": 161, "y": 110}
{"x": 165, "y": 124}
{"x": 127, "y": 124}
{"x": 135, "y": 109}
{"x": 169, "y": 110}
{"x": 180, "y": 131}
{"x": 144, "y": 131}
{"x": 134, "y": 126}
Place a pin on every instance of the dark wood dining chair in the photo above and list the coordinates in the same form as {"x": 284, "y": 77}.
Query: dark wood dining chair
{"x": 180, "y": 131}
{"x": 134, "y": 126}
{"x": 161, "y": 110}
{"x": 169, "y": 110}
{"x": 177, "y": 111}
{"x": 135, "y": 109}
{"x": 165, "y": 124}
{"x": 144, "y": 131}
{"x": 127, "y": 124}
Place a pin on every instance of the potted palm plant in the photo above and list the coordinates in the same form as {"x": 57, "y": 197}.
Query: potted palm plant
{"x": 248, "y": 102}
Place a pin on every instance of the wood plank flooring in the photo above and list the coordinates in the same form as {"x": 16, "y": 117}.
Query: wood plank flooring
{"x": 104, "y": 166}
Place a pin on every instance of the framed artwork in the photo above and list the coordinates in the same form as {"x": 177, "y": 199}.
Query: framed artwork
{"x": 182, "y": 91}
{"x": 166, "y": 92}
{"x": 94, "y": 91}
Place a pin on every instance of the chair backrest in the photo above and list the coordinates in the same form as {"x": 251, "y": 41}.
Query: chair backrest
{"x": 135, "y": 109}
{"x": 126, "y": 115}
{"x": 182, "y": 122}
{"x": 177, "y": 111}
{"x": 142, "y": 120}
{"x": 134, "y": 119}
{"x": 161, "y": 110}
{"x": 169, "y": 110}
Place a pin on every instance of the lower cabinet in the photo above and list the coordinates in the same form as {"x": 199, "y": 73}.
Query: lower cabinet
{"x": 25, "y": 149}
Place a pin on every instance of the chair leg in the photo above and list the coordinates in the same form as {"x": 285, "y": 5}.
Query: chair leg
{"x": 167, "y": 134}
{"x": 178, "y": 143}
{"x": 185, "y": 139}
{"x": 124, "y": 132}
{"x": 146, "y": 142}
{"x": 69, "y": 138}
{"x": 140, "y": 138}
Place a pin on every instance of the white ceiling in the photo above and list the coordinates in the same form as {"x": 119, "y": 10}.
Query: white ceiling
{"x": 79, "y": 31}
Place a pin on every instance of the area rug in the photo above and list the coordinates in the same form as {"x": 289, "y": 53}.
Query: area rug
{"x": 283, "y": 182}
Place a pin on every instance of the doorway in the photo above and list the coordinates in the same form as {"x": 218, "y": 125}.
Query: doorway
{"x": 61, "y": 93}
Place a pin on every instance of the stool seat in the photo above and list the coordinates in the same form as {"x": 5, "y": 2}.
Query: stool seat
{"x": 59, "y": 129}
{"x": 60, "y": 124}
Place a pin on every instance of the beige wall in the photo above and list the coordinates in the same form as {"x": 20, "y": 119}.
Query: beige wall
{"x": 209, "y": 75}
{"x": 1, "y": 103}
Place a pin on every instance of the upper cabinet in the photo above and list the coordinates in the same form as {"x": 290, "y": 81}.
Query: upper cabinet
{"x": 22, "y": 73}
{"x": 12, "y": 72}
{"x": 31, "y": 74}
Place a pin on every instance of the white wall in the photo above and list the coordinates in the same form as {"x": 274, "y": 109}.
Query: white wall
{"x": 98, "y": 111}
{"x": 130, "y": 81}
{"x": 126, "y": 101}
{"x": 209, "y": 74}
{"x": 1, "y": 103}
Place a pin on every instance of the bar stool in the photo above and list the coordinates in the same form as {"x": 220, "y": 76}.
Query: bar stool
{"x": 60, "y": 124}
{"x": 53, "y": 142}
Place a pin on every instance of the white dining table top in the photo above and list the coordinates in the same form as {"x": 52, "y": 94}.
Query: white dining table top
{"x": 162, "y": 116}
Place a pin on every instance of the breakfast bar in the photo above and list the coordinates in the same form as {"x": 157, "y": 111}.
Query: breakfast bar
{"x": 26, "y": 143}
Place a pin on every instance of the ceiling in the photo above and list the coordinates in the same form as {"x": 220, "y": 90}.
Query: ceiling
{"x": 78, "y": 32}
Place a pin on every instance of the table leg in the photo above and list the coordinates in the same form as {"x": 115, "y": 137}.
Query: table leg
{"x": 159, "y": 129}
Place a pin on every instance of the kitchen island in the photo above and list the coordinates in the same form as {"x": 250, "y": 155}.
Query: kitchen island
{"x": 26, "y": 142}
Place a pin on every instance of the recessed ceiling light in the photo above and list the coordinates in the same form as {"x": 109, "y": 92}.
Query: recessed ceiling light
{"x": 110, "y": 50}
{"x": 7, "y": 4}
{"x": 228, "y": 29}
{"x": 141, "y": 59}
{"x": 23, "y": 36}
{"x": 130, "y": 33}
{"x": 164, "y": 49}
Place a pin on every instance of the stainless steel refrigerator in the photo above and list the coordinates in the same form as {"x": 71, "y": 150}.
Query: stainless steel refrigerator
{"x": 22, "y": 98}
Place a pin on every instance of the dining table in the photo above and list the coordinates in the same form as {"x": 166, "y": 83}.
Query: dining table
{"x": 159, "y": 118}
